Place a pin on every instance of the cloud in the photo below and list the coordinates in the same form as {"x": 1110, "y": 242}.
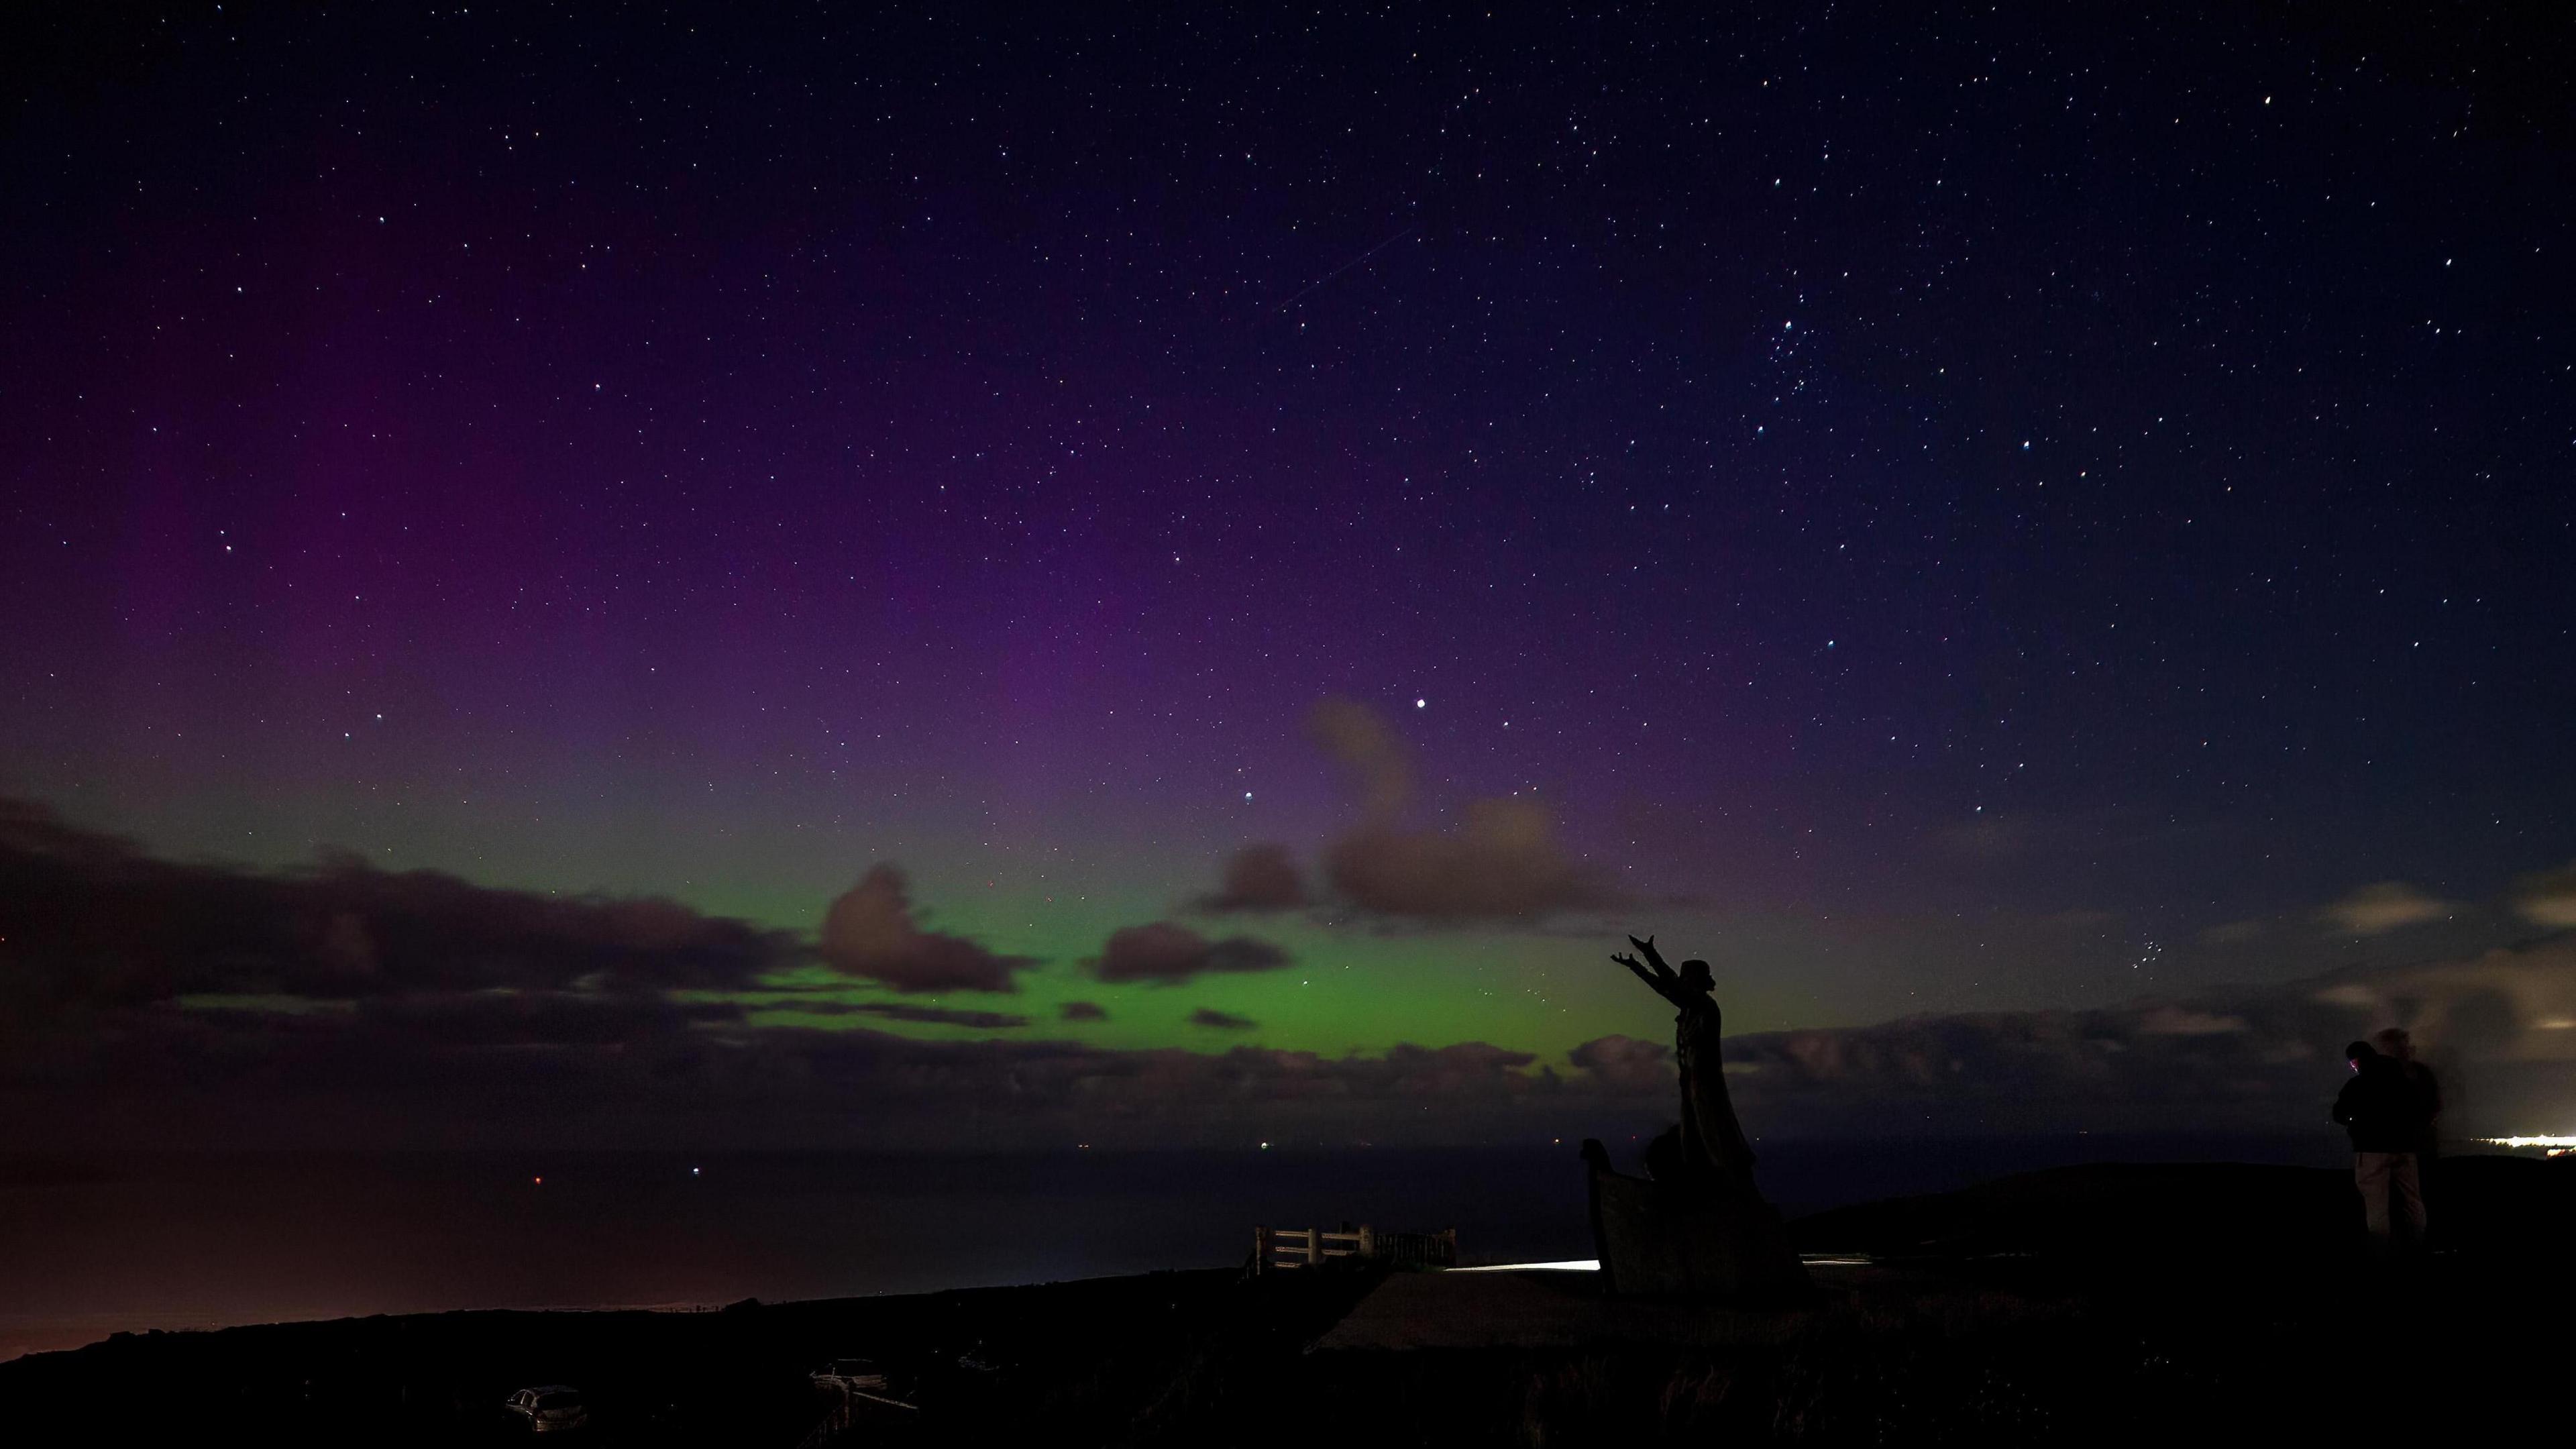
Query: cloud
{"x": 2182, "y": 1021}
{"x": 1503, "y": 865}
{"x": 1171, "y": 954}
{"x": 556, "y": 1020}
{"x": 644, "y": 1075}
{"x": 152, "y": 1002}
{"x": 1084, "y": 1011}
{"x": 1259, "y": 878}
{"x": 1450, "y": 1070}
{"x": 930, "y": 1015}
{"x": 1369, "y": 749}
{"x": 2375, "y": 910}
{"x": 94, "y": 924}
{"x": 147, "y": 1002}
{"x": 2547, "y": 898}
{"x": 1625, "y": 1063}
{"x": 869, "y": 932}
{"x": 2500, "y": 1028}
{"x": 575, "y": 1061}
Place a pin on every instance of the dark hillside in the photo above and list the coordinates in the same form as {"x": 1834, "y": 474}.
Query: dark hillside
{"x": 2101, "y": 1304}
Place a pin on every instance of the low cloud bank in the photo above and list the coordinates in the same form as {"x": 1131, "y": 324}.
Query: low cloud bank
{"x": 154, "y": 1003}
{"x": 2390, "y": 905}
{"x": 2500, "y": 1028}
{"x": 2548, "y": 899}
{"x": 90, "y": 924}
{"x": 146, "y": 1002}
{"x": 1170, "y": 954}
{"x": 926, "y": 1015}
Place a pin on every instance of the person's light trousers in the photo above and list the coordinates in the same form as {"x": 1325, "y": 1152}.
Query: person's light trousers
{"x": 2392, "y": 1196}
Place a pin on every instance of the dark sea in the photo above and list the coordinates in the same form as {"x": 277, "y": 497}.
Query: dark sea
{"x": 90, "y": 1247}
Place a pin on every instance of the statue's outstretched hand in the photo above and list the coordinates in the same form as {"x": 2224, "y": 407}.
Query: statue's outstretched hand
{"x": 1660, "y": 981}
{"x": 1654, "y": 957}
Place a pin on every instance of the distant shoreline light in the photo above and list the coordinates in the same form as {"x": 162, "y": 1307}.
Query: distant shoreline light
{"x": 2556, "y": 1145}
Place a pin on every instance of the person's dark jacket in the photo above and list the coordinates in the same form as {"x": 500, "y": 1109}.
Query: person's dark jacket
{"x": 2381, "y": 1109}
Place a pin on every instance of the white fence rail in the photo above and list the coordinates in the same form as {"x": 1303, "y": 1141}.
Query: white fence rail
{"x": 1276, "y": 1248}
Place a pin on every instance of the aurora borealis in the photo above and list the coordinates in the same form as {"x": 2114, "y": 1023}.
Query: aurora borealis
{"x": 1944, "y": 515}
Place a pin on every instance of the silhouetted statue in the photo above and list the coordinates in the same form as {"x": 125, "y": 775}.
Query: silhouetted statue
{"x": 1700, "y": 1226}
{"x": 1665, "y": 1159}
{"x": 1712, "y": 1140}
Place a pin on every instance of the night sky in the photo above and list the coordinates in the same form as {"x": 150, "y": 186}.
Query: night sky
{"x": 854, "y": 572}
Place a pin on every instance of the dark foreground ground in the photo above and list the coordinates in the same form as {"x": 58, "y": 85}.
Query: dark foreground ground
{"x": 2126, "y": 1304}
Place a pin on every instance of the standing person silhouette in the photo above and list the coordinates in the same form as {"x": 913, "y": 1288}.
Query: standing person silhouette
{"x": 1712, "y": 1141}
{"x": 2395, "y": 1044}
{"x": 2387, "y": 1117}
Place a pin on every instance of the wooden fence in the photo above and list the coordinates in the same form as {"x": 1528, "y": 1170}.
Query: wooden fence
{"x": 1277, "y": 1248}
{"x": 850, "y": 1408}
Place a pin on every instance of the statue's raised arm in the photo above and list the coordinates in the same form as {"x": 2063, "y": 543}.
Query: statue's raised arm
{"x": 1661, "y": 977}
{"x": 1710, "y": 1134}
{"x": 1654, "y": 958}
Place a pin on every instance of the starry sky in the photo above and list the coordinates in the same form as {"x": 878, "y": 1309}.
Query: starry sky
{"x": 1159, "y": 538}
